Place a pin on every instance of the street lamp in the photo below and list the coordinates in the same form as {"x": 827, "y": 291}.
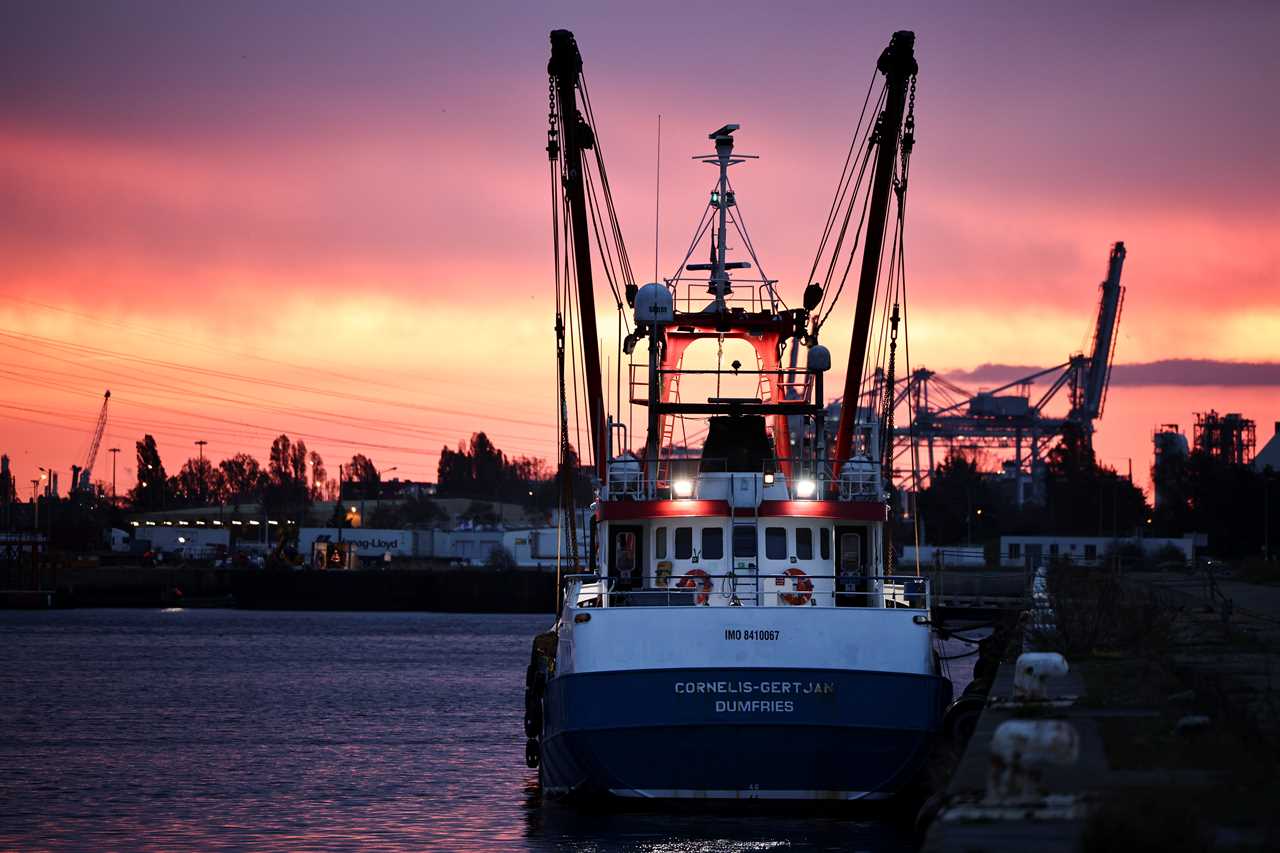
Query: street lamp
{"x": 115, "y": 453}
{"x": 47, "y": 474}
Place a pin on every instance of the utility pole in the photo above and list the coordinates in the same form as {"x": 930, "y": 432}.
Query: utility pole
{"x": 200, "y": 444}
{"x": 337, "y": 510}
{"x": 115, "y": 453}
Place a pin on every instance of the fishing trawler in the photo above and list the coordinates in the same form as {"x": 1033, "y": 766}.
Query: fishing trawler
{"x": 734, "y": 629}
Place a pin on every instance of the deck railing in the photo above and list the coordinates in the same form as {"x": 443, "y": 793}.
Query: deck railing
{"x": 743, "y": 590}
{"x": 749, "y": 295}
{"x": 686, "y": 476}
{"x": 786, "y": 386}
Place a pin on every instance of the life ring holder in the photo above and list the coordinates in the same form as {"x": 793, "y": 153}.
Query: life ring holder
{"x": 803, "y": 592}
{"x": 691, "y": 581}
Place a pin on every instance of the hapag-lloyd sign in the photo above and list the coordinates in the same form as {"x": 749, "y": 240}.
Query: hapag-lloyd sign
{"x": 366, "y": 542}
{"x": 769, "y": 696}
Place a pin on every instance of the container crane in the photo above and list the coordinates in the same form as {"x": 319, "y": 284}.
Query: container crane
{"x": 1008, "y": 417}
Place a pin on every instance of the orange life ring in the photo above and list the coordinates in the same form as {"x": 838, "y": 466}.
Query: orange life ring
{"x": 689, "y": 581}
{"x": 803, "y": 591}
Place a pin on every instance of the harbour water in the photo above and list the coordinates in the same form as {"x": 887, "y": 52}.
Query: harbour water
{"x": 225, "y": 729}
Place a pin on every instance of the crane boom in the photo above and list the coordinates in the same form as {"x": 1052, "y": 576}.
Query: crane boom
{"x": 94, "y": 442}
{"x": 1104, "y": 336}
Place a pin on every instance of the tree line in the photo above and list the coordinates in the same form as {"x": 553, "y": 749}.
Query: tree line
{"x": 292, "y": 476}
{"x": 295, "y": 477}
{"x": 1234, "y": 505}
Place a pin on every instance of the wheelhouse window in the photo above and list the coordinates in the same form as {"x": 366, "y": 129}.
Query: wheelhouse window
{"x": 775, "y": 543}
{"x": 712, "y": 543}
{"x": 684, "y": 543}
{"x": 804, "y": 543}
{"x": 824, "y": 543}
{"x": 660, "y": 543}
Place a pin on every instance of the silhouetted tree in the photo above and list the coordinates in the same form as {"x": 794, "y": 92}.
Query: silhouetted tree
{"x": 1085, "y": 499}
{"x": 960, "y": 504}
{"x": 478, "y": 469}
{"x": 286, "y": 492}
{"x": 151, "y": 493}
{"x": 318, "y": 475}
{"x": 1226, "y": 502}
{"x": 199, "y": 483}
{"x": 362, "y": 477}
{"x": 243, "y": 478}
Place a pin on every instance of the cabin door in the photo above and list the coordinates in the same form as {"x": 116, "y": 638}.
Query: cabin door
{"x": 851, "y": 563}
{"x": 626, "y": 565}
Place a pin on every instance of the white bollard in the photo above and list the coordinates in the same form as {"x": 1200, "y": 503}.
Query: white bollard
{"x": 1019, "y": 749}
{"x": 1032, "y": 673}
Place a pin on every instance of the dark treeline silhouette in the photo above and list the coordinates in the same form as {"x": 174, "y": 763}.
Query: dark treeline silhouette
{"x": 295, "y": 477}
{"x": 965, "y": 503}
{"x": 479, "y": 470}
{"x": 1232, "y": 504}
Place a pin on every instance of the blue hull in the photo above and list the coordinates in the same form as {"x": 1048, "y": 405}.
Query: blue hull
{"x": 738, "y": 734}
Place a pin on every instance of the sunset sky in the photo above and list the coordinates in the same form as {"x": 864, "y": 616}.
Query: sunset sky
{"x": 332, "y": 220}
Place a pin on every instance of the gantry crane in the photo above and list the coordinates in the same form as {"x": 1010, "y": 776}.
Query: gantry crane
{"x": 1007, "y": 417}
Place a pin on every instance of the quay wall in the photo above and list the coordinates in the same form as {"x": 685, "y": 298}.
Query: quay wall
{"x": 410, "y": 585}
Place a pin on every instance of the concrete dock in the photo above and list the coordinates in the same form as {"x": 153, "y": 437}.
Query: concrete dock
{"x": 1175, "y": 718}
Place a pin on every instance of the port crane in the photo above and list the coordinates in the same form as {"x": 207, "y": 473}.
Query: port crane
{"x": 81, "y": 474}
{"x": 942, "y": 414}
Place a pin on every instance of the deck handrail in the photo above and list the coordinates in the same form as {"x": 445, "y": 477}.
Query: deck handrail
{"x": 890, "y": 591}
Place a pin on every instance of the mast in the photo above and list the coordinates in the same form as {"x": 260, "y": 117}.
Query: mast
{"x": 722, "y": 199}
{"x": 898, "y": 65}
{"x": 576, "y": 136}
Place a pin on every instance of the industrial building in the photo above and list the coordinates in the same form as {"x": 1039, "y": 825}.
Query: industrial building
{"x": 1269, "y": 455}
{"x": 1088, "y": 550}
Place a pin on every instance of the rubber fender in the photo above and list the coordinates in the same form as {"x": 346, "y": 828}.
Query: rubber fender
{"x": 532, "y": 753}
{"x": 533, "y": 723}
{"x": 533, "y": 710}
{"x": 961, "y": 718}
{"x": 986, "y": 667}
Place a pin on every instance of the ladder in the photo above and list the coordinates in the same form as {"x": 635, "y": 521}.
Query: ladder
{"x": 765, "y": 385}
{"x": 745, "y": 581}
{"x": 668, "y": 432}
